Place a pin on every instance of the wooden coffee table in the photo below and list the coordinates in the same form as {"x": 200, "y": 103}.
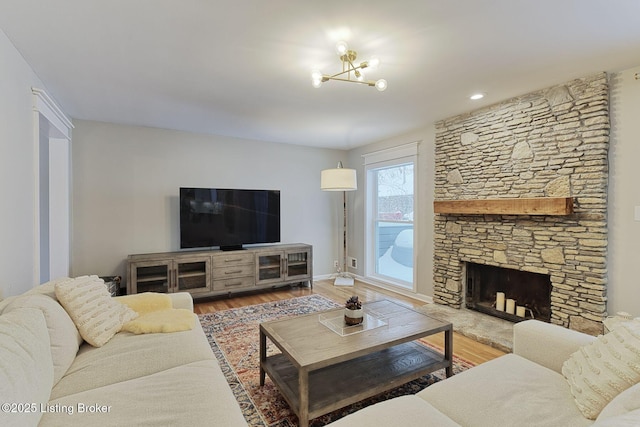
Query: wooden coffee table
{"x": 321, "y": 370}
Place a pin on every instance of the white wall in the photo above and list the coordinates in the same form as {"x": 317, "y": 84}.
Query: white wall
{"x": 624, "y": 194}
{"x": 17, "y": 171}
{"x": 424, "y": 219}
{"x": 126, "y": 181}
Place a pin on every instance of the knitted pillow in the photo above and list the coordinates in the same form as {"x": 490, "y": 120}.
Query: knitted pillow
{"x": 599, "y": 371}
{"x": 96, "y": 315}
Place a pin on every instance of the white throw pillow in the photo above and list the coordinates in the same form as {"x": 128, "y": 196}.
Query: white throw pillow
{"x": 96, "y": 315}
{"x": 599, "y": 371}
{"x": 26, "y": 368}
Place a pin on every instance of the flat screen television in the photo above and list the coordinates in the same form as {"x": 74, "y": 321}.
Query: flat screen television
{"x": 228, "y": 218}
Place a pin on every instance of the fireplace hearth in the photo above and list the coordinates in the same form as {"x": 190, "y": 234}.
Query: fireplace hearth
{"x": 530, "y": 292}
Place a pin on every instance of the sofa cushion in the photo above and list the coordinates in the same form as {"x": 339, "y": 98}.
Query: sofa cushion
{"x": 193, "y": 394}
{"x": 628, "y": 419}
{"x": 127, "y": 356}
{"x": 599, "y": 371}
{"x": 63, "y": 335}
{"x": 96, "y": 315}
{"x": 628, "y": 400}
{"x": 405, "y": 411}
{"x": 509, "y": 390}
{"x": 26, "y": 367}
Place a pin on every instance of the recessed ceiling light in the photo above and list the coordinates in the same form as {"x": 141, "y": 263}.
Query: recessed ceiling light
{"x": 477, "y": 96}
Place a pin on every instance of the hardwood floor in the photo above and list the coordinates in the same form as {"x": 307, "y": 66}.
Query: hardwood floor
{"x": 463, "y": 347}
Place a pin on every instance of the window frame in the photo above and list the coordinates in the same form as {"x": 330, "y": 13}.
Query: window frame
{"x": 396, "y": 156}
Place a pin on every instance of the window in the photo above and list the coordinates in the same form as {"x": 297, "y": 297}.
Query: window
{"x": 391, "y": 202}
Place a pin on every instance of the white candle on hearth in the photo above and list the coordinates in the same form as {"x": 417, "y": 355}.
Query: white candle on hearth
{"x": 511, "y": 306}
{"x": 520, "y": 311}
{"x": 500, "y": 301}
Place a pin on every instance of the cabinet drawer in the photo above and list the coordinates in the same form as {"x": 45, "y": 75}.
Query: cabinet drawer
{"x": 231, "y": 283}
{"x": 234, "y": 271}
{"x": 224, "y": 260}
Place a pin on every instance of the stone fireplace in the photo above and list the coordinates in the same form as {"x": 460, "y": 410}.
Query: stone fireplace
{"x": 549, "y": 143}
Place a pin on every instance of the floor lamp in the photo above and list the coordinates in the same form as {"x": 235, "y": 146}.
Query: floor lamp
{"x": 341, "y": 179}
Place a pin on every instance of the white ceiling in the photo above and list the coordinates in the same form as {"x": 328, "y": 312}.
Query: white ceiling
{"x": 242, "y": 67}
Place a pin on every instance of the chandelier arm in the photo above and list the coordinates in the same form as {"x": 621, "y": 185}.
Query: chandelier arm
{"x": 353, "y": 68}
{"x": 343, "y": 72}
{"x": 368, "y": 83}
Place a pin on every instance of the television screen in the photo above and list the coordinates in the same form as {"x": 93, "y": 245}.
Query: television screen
{"x": 228, "y": 218}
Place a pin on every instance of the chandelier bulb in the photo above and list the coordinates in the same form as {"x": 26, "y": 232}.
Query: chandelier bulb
{"x": 374, "y": 62}
{"x": 342, "y": 47}
{"x": 316, "y": 78}
{"x": 381, "y": 85}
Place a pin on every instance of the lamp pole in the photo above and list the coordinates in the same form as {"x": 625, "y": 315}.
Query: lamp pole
{"x": 341, "y": 179}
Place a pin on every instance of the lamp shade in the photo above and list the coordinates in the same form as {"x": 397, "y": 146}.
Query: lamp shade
{"x": 339, "y": 179}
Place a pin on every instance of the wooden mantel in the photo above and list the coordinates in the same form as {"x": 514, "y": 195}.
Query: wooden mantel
{"x": 520, "y": 206}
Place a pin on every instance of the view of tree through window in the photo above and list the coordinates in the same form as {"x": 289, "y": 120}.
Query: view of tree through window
{"x": 394, "y": 221}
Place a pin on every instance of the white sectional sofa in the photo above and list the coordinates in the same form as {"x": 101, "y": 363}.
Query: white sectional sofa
{"x": 526, "y": 388}
{"x": 50, "y": 377}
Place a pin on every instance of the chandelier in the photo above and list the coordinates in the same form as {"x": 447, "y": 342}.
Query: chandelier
{"x": 350, "y": 72}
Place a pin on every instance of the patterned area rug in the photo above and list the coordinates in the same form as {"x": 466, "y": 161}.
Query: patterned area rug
{"x": 234, "y": 338}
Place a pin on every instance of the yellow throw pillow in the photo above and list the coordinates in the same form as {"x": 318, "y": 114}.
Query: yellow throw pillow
{"x": 599, "y": 371}
{"x": 96, "y": 315}
{"x": 171, "y": 320}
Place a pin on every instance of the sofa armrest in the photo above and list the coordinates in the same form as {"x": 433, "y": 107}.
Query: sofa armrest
{"x": 182, "y": 300}
{"x": 547, "y": 344}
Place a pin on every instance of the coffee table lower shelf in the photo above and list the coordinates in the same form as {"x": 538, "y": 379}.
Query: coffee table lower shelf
{"x": 336, "y": 386}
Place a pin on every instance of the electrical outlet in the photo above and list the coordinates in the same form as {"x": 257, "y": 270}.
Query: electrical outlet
{"x": 353, "y": 262}
{"x": 335, "y": 263}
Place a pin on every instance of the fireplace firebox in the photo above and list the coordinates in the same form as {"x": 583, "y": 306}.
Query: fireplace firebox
{"x": 521, "y": 292}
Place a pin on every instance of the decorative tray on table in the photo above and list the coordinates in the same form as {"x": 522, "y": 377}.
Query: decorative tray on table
{"x": 334, "y": 320}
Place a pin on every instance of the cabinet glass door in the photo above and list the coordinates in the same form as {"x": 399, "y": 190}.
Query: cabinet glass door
{"x": 298, "y": 264}
{"x": 269, "y": 267}
{"x": 152, "y": 278}
{"x": 192, "y": 276}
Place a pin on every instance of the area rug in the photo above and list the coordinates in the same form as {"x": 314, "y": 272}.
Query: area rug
{"x": 234, "y": 338}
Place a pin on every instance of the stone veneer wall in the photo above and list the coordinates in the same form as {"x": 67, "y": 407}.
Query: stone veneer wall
{"x": 549, "y": 143}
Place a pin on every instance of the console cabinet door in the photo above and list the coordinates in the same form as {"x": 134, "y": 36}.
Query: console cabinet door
{"x": 192, "y": 274}
{"x": 298, "y": 264}
{"x": 150, "y": 276}
{"x": 269, "y": 267}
